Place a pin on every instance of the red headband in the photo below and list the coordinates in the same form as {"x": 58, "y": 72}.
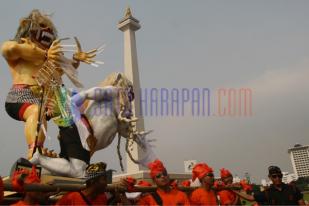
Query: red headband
{"x": 155, "y": 168}
{"x": 225, "y": 173}
{"x": 200, "y": 170}
{"x": 23, "y": 176}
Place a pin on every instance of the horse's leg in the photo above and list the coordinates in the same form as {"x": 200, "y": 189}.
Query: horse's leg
{"x": 61, "y": 166}
{"x": 97, "y": 94}
{"x": 79, "y": 166}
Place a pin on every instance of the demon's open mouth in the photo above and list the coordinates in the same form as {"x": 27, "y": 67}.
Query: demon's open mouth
{"x": 46, "y": 38}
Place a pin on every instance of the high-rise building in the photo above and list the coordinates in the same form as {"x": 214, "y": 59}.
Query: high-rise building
{"x": 287, "y": 177}
{"x": 300, "y": 160}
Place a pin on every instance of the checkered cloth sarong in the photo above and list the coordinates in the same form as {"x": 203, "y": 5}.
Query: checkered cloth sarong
{"x": 22, "y": 95}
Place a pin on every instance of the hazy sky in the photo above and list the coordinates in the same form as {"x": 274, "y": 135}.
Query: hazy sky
{"x": 261, "y": 45}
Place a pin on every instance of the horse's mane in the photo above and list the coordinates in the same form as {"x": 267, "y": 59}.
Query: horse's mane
{"x": 116, "y": 79}
{"x": 119, "y": 80}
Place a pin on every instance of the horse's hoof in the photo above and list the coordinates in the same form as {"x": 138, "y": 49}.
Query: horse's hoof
{"x": 35, "y": 158}
{"x": 49, "y": 153}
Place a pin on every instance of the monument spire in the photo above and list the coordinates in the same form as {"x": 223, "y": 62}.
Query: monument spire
{"x": 128, "y": 25}
{"x": 128, "y": 13}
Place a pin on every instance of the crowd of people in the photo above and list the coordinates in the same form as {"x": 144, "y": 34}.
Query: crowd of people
{"x": 166, "y": 191}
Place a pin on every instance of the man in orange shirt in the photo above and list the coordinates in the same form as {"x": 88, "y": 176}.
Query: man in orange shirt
{"x": 205, "y": 195}
{"x": 94, "y": 194}
{"x": 227, "y": 197}
{"x": 23, "y": 177}
{"x": 165, "y": 194}
{"x": 1, "y": 189}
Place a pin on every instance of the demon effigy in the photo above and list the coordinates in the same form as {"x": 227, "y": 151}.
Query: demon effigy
{"x": 37, "y": 62}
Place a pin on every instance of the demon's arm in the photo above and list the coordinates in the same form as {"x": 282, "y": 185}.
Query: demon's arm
{"x": 12, "y": 51}
{"x": 26, "y": 50}
{"x": 86, "y": 57}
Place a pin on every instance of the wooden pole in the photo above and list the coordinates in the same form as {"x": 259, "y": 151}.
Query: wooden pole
{"x": 77, "y": 187}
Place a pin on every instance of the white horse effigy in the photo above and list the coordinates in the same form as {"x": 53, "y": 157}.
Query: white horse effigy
{"x": 98, "y": 115}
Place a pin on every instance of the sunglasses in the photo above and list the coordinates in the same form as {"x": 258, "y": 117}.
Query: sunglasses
{"x": 210, "y": 174}
{"x": 274, "y": 176}
{"x": 163, "y": 174}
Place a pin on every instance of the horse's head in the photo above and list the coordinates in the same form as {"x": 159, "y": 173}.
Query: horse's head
{"x": 126, "y": 121}
{"x": 126, "y": 94}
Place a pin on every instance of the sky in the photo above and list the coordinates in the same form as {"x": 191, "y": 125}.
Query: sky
{"x": 259, "y": 45}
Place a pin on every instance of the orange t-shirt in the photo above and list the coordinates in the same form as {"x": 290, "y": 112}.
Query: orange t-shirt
{"x": 202, "y": 197}
{"x": 227, "y": 197}
{"x": 172, "y": 197}
{"x": 75, "y": 198}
